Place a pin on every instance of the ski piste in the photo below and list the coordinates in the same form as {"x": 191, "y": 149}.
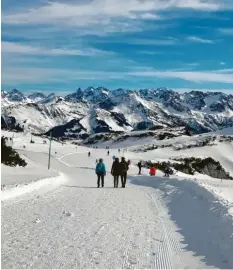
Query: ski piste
{"x": 57, "y": 218}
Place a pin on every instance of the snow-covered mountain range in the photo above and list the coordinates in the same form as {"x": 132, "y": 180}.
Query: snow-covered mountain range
{"x": 96, "y": 110}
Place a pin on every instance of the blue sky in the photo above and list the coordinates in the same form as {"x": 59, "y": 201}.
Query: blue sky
{"x": 58, "y": 46}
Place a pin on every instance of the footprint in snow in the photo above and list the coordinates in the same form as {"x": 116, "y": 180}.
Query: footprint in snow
{"x": 68, "y": 214}
{"x": 37, "y": 220}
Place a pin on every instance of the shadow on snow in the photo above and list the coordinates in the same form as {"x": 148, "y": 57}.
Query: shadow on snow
{"x": 90, "y": 187}
{"x": 203, "y": 221}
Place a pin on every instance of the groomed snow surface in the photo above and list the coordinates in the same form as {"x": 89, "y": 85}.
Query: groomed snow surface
{"x": 64, "y": 221}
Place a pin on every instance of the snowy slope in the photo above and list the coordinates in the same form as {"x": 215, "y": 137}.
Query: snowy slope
{"x": 226, "y": 131}
{"x": 40, "y": 118}
{"x": 121, "y": 109}
{"x": 182, "y": 222}
{"x": 12, "y": 176}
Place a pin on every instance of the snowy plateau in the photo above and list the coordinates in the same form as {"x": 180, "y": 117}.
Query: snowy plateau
{"x": 59, "y": 219}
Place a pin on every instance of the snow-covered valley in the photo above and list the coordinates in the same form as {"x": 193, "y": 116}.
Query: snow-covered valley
{"x": 61, "y": 220}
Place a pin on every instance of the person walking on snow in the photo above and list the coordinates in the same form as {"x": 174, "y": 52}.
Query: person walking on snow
{"x": 89, "y": 154}
{"x": 116, "y": 171}
{"x": 100, "y": 170}
{"x": 124, "y": 169}
{"x": 166, "y": 169}
{"x": 108, "y": 153}
{"x": 139, "y": 167}
{"x": 152, "y": 170}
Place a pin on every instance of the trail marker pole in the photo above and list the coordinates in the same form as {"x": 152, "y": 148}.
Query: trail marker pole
{"x": 12, "y": 138}
{"x": 50, "y": 142}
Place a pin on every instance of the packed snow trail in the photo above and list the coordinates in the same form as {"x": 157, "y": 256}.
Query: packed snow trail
{"x": 79, "y": 226}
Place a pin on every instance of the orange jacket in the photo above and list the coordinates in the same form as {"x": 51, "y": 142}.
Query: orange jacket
{"x": 152, "y": 171}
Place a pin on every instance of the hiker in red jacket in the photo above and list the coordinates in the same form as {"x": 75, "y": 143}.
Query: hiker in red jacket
{"x": 152, "y": 170}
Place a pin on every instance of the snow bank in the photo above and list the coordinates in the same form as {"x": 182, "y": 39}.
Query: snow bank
{"x": 51, "y": 182}
{"x": 223, "y": 193}
{"x": 22, "y": 175}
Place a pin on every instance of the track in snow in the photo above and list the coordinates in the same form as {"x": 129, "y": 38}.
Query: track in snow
{"x": 110, "y": 228}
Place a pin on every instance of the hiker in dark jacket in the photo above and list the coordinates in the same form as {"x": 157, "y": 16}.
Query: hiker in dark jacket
{"x": 167, "y": 169}
{"x": 124, "y": 168}
{"x": 116, "y": 171}
{"x": 100, "y": 170}
{"x": 139, "y": 167}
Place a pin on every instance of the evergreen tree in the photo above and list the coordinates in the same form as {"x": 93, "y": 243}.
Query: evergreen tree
{"x": 9, "y": 156}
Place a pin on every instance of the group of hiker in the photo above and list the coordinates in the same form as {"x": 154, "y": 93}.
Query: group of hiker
{"x": 119, "y": 170}
{"x": 152, "y": 171}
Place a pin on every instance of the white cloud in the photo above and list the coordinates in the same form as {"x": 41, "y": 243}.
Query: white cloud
{"x": 222, "y": 63}
{"x": 225, "y": 70}
{"x": 99, "y": 17}
{"x": 168, "y": 41}
{"x": 102, "y": 10}
{"x": 37, "y": 75}
{"x": 12, "y": 47}
{"x": 194, "y": 76}
{"x": 193, "y": 64}
{"x": 28, "y": 75}
{"x": 200, "y": 40}
{"x": 149, "y": 16}
{"x": 226, "y": 31}
{"x": 81, "y": 13}
{"x": 151, "y": 52}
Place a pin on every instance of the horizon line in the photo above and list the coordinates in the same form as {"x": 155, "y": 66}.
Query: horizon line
{"x": 67, "y": 92}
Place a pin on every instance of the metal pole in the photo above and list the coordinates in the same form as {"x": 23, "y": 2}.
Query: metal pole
{"x": 7, "y": 124}
{"x": 12, "y": 139}
{"x": 50, "y": 142}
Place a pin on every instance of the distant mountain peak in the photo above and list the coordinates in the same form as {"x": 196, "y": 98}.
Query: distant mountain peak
{"x": 4, "y": 93}
{"x": 16, "y": 96}
{"x": 100, "y": 109}
{"x": 37, "y": 96}
{"x": 14, "y": 91}
{"x": 51, "y": 95}
{"x": 51, "y": 98}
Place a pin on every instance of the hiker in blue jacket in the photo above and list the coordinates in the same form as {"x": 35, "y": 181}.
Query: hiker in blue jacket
{"x": 100, "y": 170}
